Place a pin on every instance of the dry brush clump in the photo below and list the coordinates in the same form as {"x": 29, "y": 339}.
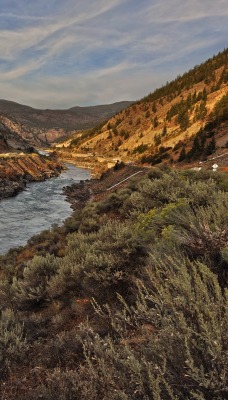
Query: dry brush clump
{"x": 30, "y": 290}
{"x": 98, "y": 262}
{"x": 169, "y": 345}
{"x": 13, "y": 344}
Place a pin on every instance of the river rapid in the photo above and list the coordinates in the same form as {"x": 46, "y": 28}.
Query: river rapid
{"x": 40, "y": 206}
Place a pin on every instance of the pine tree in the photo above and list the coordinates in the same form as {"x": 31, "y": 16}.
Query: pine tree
{"x": 164, "y": 130}
{"x": 155, "y": 121}
{"x": 157, "y": 140}
{"x": 182, "y": 155}
{"x": 210, "y": 149}
{"x": 154, "y": 108}
{"x": 204, "y": 95}
{"x": 183, "y": 119}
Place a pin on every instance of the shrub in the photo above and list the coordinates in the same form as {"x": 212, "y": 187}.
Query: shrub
{"x": 114, "y": 201}
{"x": 169, "y": 345}
{"x": 13, "y": 345}
{"x": 98, "y": 262}
{"x": 31, "y": 290}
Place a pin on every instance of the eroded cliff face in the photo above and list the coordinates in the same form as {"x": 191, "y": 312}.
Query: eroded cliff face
{"x": 18, "y": 169}
{"x": 10, "y": 136}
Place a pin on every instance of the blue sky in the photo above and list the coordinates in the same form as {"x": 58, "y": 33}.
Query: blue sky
{"x": 58, "y": 54}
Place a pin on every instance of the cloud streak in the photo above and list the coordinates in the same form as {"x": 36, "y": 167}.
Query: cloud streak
{"x": 67, "y": 53}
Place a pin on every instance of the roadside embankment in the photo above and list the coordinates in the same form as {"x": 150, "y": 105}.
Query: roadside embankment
{"x": 96, "y": 189}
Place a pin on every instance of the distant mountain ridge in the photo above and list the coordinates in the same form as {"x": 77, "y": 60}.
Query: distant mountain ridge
{"x": 70, "y": 119}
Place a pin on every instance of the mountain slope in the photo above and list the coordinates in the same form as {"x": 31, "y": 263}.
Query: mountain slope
{"x": 165, "y": 119}
{"x": 97, "y": 306}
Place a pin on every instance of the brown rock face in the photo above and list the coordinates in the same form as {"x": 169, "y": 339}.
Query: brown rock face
{"x": 18, "y": 169}
{"x": 10, "y": 136}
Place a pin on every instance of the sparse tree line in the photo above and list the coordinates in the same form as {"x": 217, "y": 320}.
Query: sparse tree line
{"x": 204, "y": 72}
{"x": 203, "y": 144}
{"x": 183, "y": 112}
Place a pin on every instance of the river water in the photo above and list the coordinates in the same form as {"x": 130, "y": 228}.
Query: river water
{"x": 41, "y": 205}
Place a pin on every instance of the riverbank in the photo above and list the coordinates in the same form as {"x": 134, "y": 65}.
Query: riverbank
{"x": 98, "y": 189}
{"x": 43, "y": 205}
{"x": 17, "y": 169}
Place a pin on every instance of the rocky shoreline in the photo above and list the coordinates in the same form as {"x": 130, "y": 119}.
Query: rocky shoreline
{"x": 11, "y": 188}
{"x": 16, "y": 170}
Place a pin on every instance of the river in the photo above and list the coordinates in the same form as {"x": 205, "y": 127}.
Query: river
{"x": 40, "y": 206}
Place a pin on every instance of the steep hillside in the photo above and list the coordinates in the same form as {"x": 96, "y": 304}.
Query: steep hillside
{"x": 11, "y": 135}
{"x": 163, "y": 124}
{"x": 44, "y": 126}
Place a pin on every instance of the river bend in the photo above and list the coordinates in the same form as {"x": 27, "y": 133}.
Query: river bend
{"x": 41, "y": 205}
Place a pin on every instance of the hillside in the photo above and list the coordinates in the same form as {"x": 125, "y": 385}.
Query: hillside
{"x": 44, "y": 126}
{"x": 164, "y": 124}
{"x": 96, "y": 308}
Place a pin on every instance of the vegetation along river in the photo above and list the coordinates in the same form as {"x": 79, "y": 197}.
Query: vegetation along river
{"x": 41, "y": 205}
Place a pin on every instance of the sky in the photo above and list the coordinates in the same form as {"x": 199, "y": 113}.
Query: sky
{"x": 59, "y": 54}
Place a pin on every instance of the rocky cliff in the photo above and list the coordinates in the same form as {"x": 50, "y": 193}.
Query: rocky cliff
{"x": 11, "y": 135}
{"x": 18, "y": 169}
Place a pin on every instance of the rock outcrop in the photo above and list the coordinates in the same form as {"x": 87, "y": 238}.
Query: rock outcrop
{"x": 18, "y": 169}
{"x": 10, "y": 136}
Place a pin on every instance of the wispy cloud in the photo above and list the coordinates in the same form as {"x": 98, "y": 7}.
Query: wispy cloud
{"x": 16, "y": 40}
{"x": 177, "y": 10}
{"x": 23, "y": 17}
{"x": 65, "y": 53}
